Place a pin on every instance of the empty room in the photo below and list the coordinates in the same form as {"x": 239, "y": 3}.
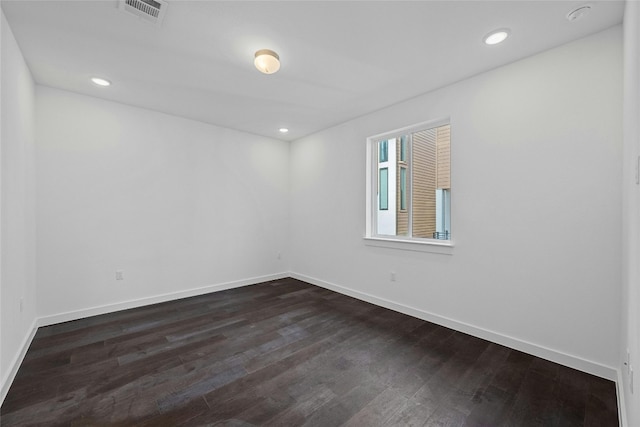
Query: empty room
{"x": 319, "y": 213}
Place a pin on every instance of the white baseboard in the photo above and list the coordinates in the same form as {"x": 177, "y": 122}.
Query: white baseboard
{"x": 622, "y": 409}
{"x": 17, "y": 361}
{"x": 125, "y": 305}
{"x": 571, "y": 361}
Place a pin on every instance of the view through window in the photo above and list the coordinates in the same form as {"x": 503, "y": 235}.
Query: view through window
{"x": 413, "y": 188}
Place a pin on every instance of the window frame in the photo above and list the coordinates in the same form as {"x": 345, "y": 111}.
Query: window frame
{"x": 389, "y": 241}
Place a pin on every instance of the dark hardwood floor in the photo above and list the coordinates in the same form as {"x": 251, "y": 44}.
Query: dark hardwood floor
{"x": 286, "y": 353}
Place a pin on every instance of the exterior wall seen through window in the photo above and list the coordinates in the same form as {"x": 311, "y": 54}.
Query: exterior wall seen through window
{"x": 414, "y": 184}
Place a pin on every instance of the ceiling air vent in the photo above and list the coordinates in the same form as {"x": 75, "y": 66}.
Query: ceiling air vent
{"x": 149, "y": 10}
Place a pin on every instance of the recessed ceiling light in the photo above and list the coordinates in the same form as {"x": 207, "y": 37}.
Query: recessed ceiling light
{"x": 578, "y": 13}
{"x": 267, "y": 61}
{"x": 497, "y": 36}
{"x": 283, "y": 130}
{"x": 100, "y": 81}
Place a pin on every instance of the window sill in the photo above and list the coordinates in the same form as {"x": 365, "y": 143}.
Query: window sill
{"x": 444, "y": 247}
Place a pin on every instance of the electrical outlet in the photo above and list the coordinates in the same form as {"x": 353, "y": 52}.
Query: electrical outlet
{"x": 119, "y": 275}
{"x": 21, "y": 304}
{"x": 279, "y": 256}
{"x": 393, "y": 276}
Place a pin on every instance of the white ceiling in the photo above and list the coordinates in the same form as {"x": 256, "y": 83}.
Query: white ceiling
{"x": 340, "y": 60}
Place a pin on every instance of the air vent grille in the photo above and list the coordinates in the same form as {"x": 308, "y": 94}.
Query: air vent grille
{"x": 149, "y": 10}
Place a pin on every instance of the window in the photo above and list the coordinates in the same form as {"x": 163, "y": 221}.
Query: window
{"x": 412, "y": 170}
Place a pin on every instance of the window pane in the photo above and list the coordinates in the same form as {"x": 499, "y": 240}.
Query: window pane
{"x": 384, "y": 189}
{"x": 443, "y": 214}
{"x": 443, "y": 181}
{"x": 423, "y": 192}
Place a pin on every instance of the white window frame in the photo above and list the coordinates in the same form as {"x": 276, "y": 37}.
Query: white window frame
{"x": 388, "y": 241}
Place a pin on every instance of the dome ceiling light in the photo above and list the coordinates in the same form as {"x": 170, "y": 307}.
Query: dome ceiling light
{"x": 267, "y": 61}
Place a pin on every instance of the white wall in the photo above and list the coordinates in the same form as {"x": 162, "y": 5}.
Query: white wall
{"x": 536, "y": 168}
{"x": 631, "y": 213}
{"x": 17, "y": 200}
{"x": 175, "y": 204}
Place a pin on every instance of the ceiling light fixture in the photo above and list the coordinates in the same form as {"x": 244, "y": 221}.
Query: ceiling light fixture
{"x": 283, "y": 130}
{"x": 100, "y": 81}
{"x": 267, "y": 61}
{"x": 497, "y": 36}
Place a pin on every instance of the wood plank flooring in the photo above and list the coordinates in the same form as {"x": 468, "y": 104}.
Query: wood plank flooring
{"x": 286, "y": 353}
